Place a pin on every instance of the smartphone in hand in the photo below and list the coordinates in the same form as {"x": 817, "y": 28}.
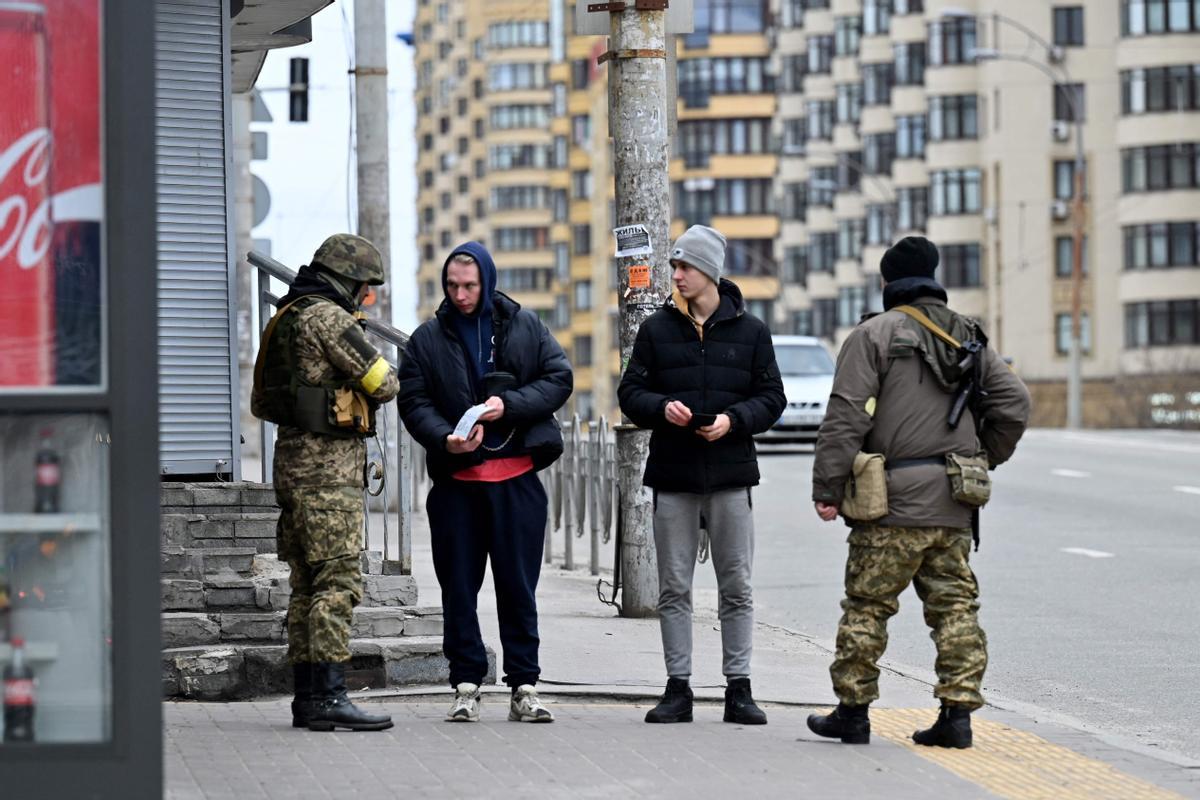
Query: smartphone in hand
{"x": 699, "y": 420}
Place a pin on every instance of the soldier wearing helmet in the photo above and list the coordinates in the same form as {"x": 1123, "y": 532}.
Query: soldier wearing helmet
{"x": 320, "y": 380}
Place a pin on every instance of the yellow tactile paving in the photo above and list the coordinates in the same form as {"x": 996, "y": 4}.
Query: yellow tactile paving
{"x": 1016, "y": 764}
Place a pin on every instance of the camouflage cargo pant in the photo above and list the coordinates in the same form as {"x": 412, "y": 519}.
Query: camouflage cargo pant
{"x": 319, "y": 535}
{"x": 881, "y": 564}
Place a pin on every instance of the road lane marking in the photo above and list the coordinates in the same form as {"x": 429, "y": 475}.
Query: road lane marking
{"x": 1083, "y": 551}
{"x": 1070, "y": 473}
{"x": 1016, "y": 764}
{"x": 1187, "y": 489}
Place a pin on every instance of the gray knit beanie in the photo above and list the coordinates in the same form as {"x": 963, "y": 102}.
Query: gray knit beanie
{"x": 703, "y": 248}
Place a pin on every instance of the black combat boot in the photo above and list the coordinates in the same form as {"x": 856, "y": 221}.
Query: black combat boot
{"x": 331, "y": 707}
{"x": 739, "y": 704}
{"x": 851, "y": 724}
{"x": 302, "y": 702}
{"x": 675, "y": 705}
{"x": 952, "y": 729}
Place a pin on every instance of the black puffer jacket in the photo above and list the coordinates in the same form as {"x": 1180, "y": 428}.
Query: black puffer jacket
{"x": 732, "y": 370}
{"x": 435, "y": 387}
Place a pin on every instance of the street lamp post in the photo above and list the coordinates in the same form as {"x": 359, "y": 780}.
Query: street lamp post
{"x": 1075, "y": 350}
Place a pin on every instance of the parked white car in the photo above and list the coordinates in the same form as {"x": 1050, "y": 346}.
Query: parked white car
{"x": 807, "y": 370}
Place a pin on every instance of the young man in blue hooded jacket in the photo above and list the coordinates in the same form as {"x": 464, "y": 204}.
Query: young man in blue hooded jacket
{"x": 486, "y": 501}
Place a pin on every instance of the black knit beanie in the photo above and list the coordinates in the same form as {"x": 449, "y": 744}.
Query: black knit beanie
{"x": 911, "y": 257}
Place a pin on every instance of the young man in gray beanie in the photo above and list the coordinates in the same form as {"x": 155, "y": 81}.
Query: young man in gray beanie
{"x": 703, "y": 378}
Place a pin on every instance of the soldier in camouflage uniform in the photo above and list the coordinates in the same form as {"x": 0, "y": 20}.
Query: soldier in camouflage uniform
{"x": 895, "y": 383}
{"x": 314, "y": 359}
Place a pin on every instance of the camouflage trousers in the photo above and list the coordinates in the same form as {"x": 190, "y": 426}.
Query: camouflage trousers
{"x": 881, "y": 564}
{"x": 319, "y": 535}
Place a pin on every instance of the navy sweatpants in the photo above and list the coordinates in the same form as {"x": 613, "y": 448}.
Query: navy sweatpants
{"x": 469, "y": 522}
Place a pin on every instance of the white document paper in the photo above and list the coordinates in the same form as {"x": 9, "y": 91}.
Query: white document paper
{"x": 469, "y": 418}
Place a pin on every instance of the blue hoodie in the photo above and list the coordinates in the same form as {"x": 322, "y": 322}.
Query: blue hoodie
{"x": 475, "y": 330}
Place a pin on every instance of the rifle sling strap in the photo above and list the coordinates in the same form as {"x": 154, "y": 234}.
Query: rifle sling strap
{"x": 926, "y": 322}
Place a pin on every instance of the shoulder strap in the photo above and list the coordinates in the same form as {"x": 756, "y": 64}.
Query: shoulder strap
{"x": 926, "y": 322}
{"x": 260, "y": 362}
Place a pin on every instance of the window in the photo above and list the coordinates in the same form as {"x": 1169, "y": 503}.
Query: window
{"x": 1162, "y": 323}
{"x": 953, "y": 117}
{"x": 959, "y": 266}
{"x": 1068, "y": 26}
{"x": 444, "y": 200}
{"x": 480, "y": 168}
{"x": 955, "y": 191}
{"x": 1062, "y": 333}
{"x": 910, "y": 137}
{"x": 463, "y": 145}
{"x": 509, "y": 76}
{"x": 581, "y": 69}
{"x": 880, "y": 224}
{"x": 822, "y": 251}
{"x": 1064, "y": 180}
{"x": 562, "y": 261}
{"x": 1161, "y": 167}
{"x": 519, "y": 156}
{"x": 820, "y": 55}
{"x": 849, "y": 102}
{"x": 795, "y": 265}
{"x": 792, "y": 77}
{"x": 730, "y": 16}
{"x": 846, "y": 33}
{"x": 581, "y": 130}
{"x": 583, "y": 351}
{"x": 822, "y": 184}
{"x": 699, "y": 139}
{"x": 877, "y": 84}
{"x": 879, "y": 150}
{"x": 520, "y": 239}
{"x": 524, "y": 279}
{"x": 1162, "y": 245}
{"x": 824, "y": 317}
{"x": 1158, "y": 17}
{"x": 1159, "y": 89}
{"x": 877, "y": 15}
{"x": 518, "y": 33}
{"x": 763, "y": 310}
{"x": 700, "y": 77}
{"x": 697, "y": 202}
{"x": 1064, "y": 250}
{"x": 463, "y": 184}
{"x": 519, "y": 116}
{"x": 902, "y": 7}
{"x": 820, "y": 120}
{"x": 849, "y": 171}
{"x": 849, "y": 237}
{"x": 791, "y": 14}
{"x": 952, "y": 41}
{"x": 581, "y": 238}
{"x": 1069, "y": 102}
{"x": 852, "y": 303}
{"x": 795, "y": 206}
{"x": 910, "y": 63}
{"x": 581, "y": 184}
{"x": 583, "y": 291}
{"x": 750, "y": 257}
{"x": 559, "y": 203}
{"x": 795, "y": 136}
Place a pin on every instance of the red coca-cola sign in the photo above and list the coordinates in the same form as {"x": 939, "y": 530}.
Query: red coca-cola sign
{"x": 50, "y": 197}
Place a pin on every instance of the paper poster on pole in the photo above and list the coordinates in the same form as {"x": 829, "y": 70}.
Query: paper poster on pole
{"x": 632, "y": 240}
{"x": 639, "y": 276}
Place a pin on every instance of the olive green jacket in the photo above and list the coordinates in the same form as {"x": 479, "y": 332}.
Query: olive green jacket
{"x": 888, "y": 398}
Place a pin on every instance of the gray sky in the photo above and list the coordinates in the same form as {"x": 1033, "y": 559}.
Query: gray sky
{"x": 310, "y": 169}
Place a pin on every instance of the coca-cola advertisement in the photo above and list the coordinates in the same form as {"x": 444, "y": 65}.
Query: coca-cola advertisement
{"x": 51, "y": 205}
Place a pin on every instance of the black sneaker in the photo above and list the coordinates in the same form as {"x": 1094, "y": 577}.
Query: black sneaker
{"x": 851, "y": 724}
{"x": 739, "y": 704}
{"x": 675, "y": 705}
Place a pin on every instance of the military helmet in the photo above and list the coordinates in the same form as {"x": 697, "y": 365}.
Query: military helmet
{"x": 352, "y": 257}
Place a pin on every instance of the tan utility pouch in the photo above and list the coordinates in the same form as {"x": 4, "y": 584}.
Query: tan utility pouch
{"x": 350, "y": 410}
{"x": 970, "y": 482}
{"x": 865, "y": 497}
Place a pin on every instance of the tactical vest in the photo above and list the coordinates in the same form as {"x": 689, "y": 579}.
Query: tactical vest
{"x": 288, "y": 399}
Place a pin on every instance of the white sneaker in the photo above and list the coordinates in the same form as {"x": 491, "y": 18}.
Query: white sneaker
{"x": 466, "y": 704}
{"x": 526, "y": 707}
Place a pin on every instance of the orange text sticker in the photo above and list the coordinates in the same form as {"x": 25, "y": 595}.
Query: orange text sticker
{"x": 639, "y": 276}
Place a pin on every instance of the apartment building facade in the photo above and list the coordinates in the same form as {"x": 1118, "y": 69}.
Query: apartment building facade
{"x": 814, "y": 133}
{"x": 957, "y": 121}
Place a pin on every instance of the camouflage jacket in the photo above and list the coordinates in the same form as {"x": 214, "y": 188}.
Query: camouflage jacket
{"x": 330, "y": 346}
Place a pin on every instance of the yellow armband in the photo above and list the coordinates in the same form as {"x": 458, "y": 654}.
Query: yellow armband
{"x": 375, "y": 376}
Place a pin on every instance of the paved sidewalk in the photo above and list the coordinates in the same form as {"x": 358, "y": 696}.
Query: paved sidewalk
{"x": 600, "y": 674}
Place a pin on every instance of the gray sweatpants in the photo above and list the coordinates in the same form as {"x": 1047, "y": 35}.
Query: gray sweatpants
{"x": 727, "y": 517}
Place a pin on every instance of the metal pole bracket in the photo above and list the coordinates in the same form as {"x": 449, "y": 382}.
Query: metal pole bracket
{"x": 609, "y": 55}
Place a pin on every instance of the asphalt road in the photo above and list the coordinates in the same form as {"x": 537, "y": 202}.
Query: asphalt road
{"x": 1089, "y": 569}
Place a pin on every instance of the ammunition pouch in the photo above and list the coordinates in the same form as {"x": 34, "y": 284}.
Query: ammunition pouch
{"x": 341, "y": 413}
{"x": 865, "y": 497}
{"x": 970, "y": 483}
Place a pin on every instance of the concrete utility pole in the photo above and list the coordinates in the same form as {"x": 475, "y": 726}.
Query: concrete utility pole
{"x": 638, "y": 119}
{"x": 371, "y": 137}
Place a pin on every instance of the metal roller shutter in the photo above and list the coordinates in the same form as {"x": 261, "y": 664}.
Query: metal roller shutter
{"x": 197, "y": 374}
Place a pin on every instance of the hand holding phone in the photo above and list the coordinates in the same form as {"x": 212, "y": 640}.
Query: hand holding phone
{"x": 699, "y": 420}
